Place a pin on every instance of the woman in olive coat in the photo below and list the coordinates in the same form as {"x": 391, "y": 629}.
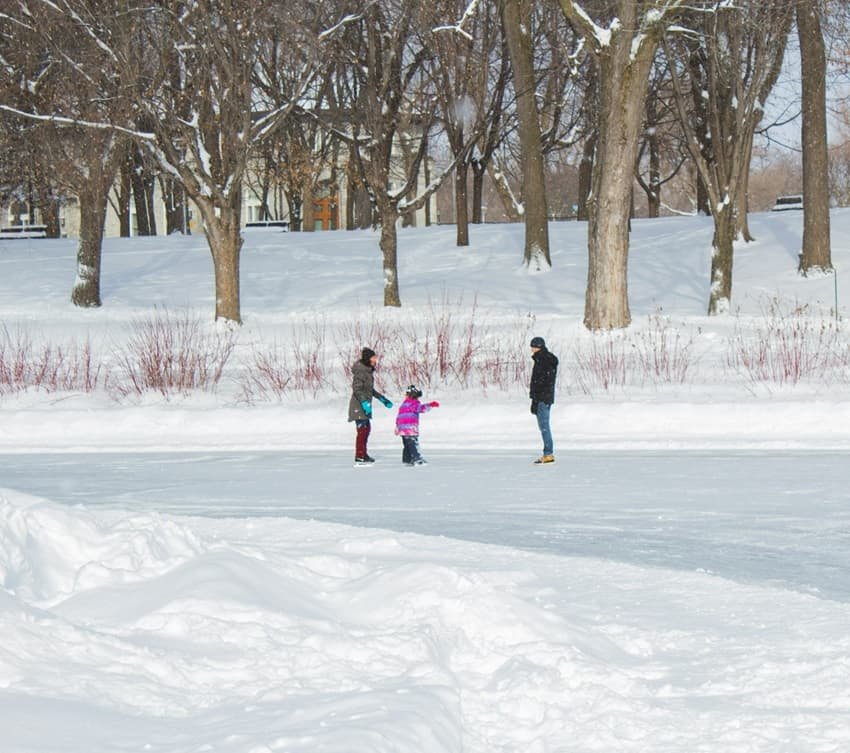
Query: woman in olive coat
{"x": 360, "y": 405}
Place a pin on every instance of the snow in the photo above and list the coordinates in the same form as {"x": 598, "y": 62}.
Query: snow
{"x": 195, "y": 573}
{"x": 342, "y": 23}
{"x": 470, "y": 11}
{"x": 637, "y": 44}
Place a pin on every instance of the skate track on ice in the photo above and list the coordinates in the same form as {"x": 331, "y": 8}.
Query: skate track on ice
{"x": 778, "y": 517}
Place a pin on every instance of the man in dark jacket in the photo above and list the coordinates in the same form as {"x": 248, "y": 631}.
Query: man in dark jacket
{"x": 360, "y": 405}
{"x": 542, "y": 393}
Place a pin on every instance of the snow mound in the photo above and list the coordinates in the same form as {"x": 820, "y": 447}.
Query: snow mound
{"x": 48, "y": 553}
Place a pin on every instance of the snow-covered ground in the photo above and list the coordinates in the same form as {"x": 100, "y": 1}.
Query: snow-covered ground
{"x": 209, "y": 573}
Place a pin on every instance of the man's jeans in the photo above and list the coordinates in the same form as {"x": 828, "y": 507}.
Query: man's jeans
{"x": 543, "y": 410}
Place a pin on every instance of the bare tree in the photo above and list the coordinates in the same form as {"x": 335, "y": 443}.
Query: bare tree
{"x": 517, "y": 25}
{"x": 562, "y": 71}
{"x": 461, "y": 72}
{"x": 143, "y": 181}
{"x": 739, "y": 56}
{"x": 590, "y": 130}
{"x": 816, "y": 255}
{"x": 183, "y": 79}
{"x": 62, "y": 80}
{"x": 381, "y": 86}
{"x": 176, "y": 205}
{"x": 206, "y": 115}
{"x": 662, "y": 153}
{"x": 387, "y": 64}
{"x": 490, "y": 98}
{"x": 27, "y": 183}
{"x": 623, "y": 45}
{"x": 297, "y": 157}
{"x": 87, "y": 161}
{"x": 135, "y": 185}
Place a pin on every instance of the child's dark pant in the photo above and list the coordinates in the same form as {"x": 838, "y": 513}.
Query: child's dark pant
{"x": 410, "y": 450}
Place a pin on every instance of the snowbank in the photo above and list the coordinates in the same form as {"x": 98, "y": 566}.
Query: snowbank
{"x": 152, "y": 633}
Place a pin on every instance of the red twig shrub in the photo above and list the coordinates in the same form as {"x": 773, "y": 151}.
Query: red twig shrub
{"x": 49, "y": 367}
{"x": 789, "y": 347}
{"x": 662, "y": 355}
{"x": 656, "y": 355}
{"x": 171, "y": 355}
{"x": 301, "y": 367}
{"x": 449, "y": 346}
{"x": 601, "y": 362}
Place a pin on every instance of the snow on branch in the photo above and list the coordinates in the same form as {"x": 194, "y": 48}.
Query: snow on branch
{"x": 16, "y": 21}
{"x": 269, "y": 121}
{"x": 585, "y": 25}
{"x": 419, "y": 201}
{"x": 600, "y": 37}
{"x": 341, "y": 24}
{"x": 458, "y": 27}
{"x": 62, "y": 120}
{"x": 653, "y": 24}
{"x": 84, "y": 26}
{"x": 501, "y": 179}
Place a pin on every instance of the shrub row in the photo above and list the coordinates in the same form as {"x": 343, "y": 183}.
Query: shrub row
{"x": 450, "y": 347}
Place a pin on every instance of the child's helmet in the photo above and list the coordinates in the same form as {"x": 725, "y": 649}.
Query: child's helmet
{"x": 413, "y": 391}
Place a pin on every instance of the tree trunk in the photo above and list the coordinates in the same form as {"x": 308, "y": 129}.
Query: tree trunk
{"x": 150, "y": 188}
{"x": 585, "y": 181}
{"x": 365, "y": 209}
{"x": 816, "y": 254}
{"x": 265, "y": 189}
{"x": 125, "y": 188}
{"x": 176, "y": 211}
{"x": 426, "y": 167}
{"x": 516, "y": 21}
{"x": 606, "y": 302}
{"x": 503, "y": 190}
{"x": 408, "y": 216}
{"x": 588, "y": 151}
{"x": 622, "y": 85}
{"x": 461, "y": 205}
{"x": 49, "y": 206}
{"x": 225, "y": 242}
{"x": 653, "y": 197}
{"x": 86, "y": 291}
{"x": 389, "y": 251}
{"x": 350, "y": 190}
{"x": 742, "y": 204}
{"x": 585, "y": 175}
{"x": 222, "y": 225}
{"x": 701, "y": 130}
{"x": 293, "y": 201}
{"x": 478, "y": 171}
{"x": 720, "y": 296}
{"x": 703, "y": 198}
{"x": 141, "y": 189}
{"x": 265, "y": 209}
{"x": 226, "y": 261}
{"x": 308, "y": 208}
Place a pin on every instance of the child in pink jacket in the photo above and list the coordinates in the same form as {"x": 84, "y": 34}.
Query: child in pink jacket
{"x": 407, "y": 425}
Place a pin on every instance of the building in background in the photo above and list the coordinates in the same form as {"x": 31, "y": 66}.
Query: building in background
{"x": 330, "y": 202}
